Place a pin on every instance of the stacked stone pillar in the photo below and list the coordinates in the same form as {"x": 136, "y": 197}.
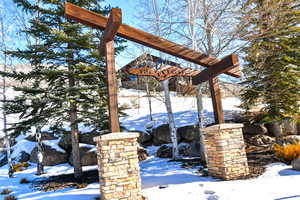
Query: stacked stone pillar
{"x": 225, "y": 151}
{"x": 119, "y": 171}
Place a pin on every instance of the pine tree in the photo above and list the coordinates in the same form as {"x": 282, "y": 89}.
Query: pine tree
{"x": 67, "y": 79}
{"x": 272, "y": 71}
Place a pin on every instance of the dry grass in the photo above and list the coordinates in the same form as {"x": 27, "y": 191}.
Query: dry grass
{"x": 5, "y": 191}
{"x": 287, "y": 153}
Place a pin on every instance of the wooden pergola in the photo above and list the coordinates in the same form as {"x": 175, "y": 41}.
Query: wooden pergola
{"x": 149, "y": 65}
{"x": 113, "y": 26}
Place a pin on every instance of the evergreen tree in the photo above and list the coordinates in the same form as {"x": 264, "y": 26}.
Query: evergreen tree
{"x": 67, "y": 83}
{"x": 272, "y": 70}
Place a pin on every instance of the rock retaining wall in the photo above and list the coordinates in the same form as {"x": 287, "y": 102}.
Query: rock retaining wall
{"x": 225, "y": 151}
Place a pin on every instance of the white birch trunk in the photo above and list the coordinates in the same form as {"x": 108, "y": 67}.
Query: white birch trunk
{"x": 40, "y": 166}
{"x": 171, "y": 119}
{"x": 7, "y": 138}
{"x": 201, "y": 121}
{"x": 149, "y": 98}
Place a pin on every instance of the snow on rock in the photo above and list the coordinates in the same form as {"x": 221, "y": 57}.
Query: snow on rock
{"x": 86, "y": 145}
{"x": 53, "y": 144}
{"x": 91, "y": 147}
{"x": 22, "y": 145}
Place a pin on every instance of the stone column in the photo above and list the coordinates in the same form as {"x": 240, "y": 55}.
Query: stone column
{"x": 225, "y": 150}
{"x": 119, "y": 172}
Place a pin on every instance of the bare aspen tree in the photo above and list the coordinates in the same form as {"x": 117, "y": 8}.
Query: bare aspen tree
{"x": 4, "y": 48}
{"x": 165, "y": 83}
{"x": 155, "y": 21}
{"x": 37, "y": 129}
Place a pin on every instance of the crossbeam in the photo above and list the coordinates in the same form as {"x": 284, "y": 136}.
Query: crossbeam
{"x": 224, "y": 65}
{"x": 98, "y": 21}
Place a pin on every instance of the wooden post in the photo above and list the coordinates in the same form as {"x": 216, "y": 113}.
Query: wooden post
{"x": 112, "y": 86}
{"x": 228, "y": 63}
{"x": 216, "y": 97}
{"x": 107, "y": 48}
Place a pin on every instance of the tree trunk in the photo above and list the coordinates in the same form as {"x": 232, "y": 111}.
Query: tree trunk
{"x": 4, "y": 115}
{"x": 277, "y": 131}
{"x": 171, "y": 119}
{"x": 149, "y": 98}
{"x": 6, "y": 135}
{"x": 40, "y": 165}
{"x": 298, "y": 128}
{"x": 75, "y": 136}
{"x": 199, "y": 97}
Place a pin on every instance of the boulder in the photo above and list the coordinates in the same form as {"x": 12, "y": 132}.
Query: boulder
{"x": 259, "y": 140}
{"x": 189, "y": 133}
{"x": 185, "y": 149}
{"x": 3, "y": 158}
{"x": 2, "y": 143}
{"x": 23, "y": 157}
{"x": 287, "y": 127}
{"x": 144, "y": 138}
{"x": 165, "y": 151}
{"x": 195, "y": 147}
{"x": 290, "y": 139}
{"x": 88, "y": 138}
{"x": 296, "y": 164}
{"x": 142, "y": 153}
{"x": 44, "y": 136}
{"x": 88, "y": 155}
{"x": 52, "y": 156}
{"x": 161, "y": 135}
{"x": 254, "y": 129}
{"x": 65, "y": 142}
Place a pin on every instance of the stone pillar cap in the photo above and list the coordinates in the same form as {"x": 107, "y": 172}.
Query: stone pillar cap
{"x": 221, "y": 127}
{"x": 117, "y": 136}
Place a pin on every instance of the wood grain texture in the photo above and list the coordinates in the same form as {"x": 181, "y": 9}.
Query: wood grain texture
{"x": 226, "y": 64}
{"x": 112, "y": 26}
{"x": 136, "y": 35}
{"x": 216, "y": 98}
{"x": 112, "y": 87}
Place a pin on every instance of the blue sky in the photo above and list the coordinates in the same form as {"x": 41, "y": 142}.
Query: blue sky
{"x": 127, "y": 6}
{"x": 128, "y": 17}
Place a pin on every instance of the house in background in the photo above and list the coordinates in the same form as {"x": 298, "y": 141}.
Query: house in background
{"x": 181, "y": 85}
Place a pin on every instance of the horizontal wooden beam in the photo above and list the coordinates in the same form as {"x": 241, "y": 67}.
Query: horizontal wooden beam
{"x": 227, "y": 63}
{"x": 136, "y": 35}
{"x": 111, "y": 29}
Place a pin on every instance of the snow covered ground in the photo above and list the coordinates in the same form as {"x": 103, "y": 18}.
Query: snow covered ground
{"x": 279, "y": 182}
{"x": 184, "y": 110}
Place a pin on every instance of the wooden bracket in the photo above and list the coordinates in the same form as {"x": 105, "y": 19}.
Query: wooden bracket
{"x": 112, "y": 26}
{"x": 226, "y": 64}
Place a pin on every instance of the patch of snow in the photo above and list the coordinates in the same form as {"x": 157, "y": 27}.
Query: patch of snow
{"x": 92, "y": 148}
{"x": 86, "y": 145}
{"x": 184, "y": 111}
{"x": 53, "y": 144}
{"x": 22, "y": 145}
